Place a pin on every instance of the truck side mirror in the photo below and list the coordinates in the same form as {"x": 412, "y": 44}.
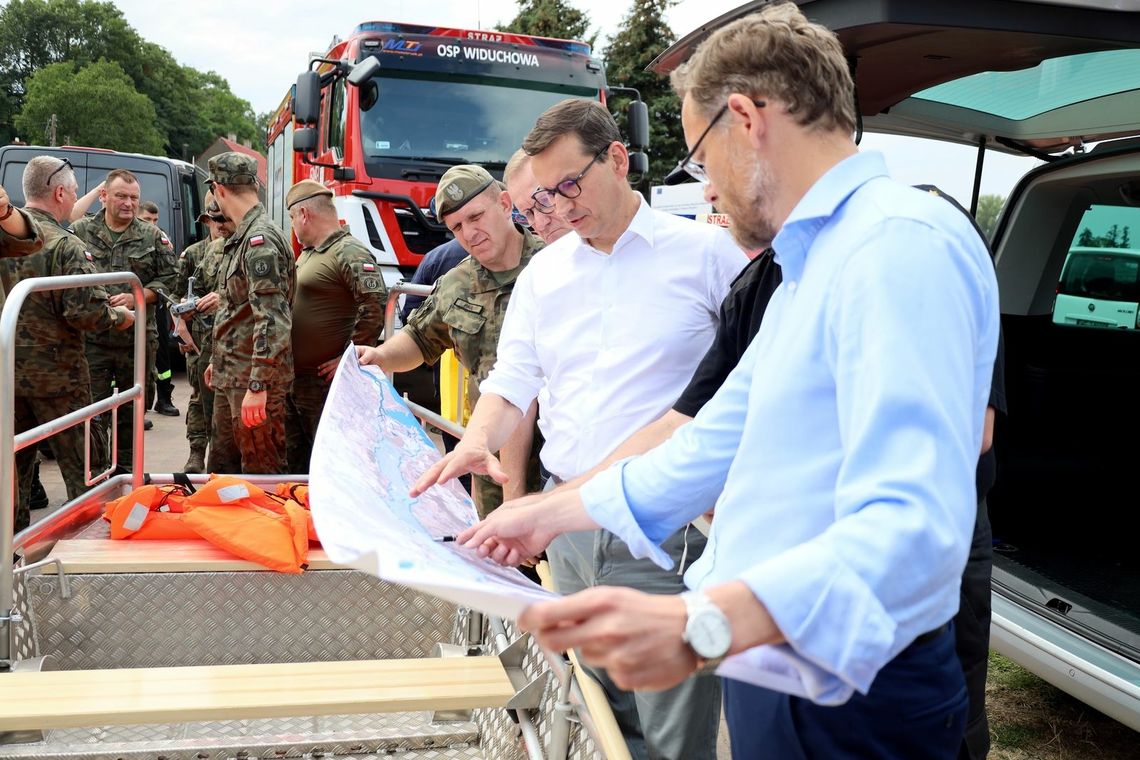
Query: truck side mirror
{"x": 364, "y": 71}
{"x": 638, "y": 164}
{"x": 304, "y": 140}
{"x": 638, "y": 119}
{"x": 307, "y": 99}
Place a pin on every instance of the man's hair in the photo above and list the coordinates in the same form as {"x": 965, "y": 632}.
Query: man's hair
{"x": 149, "y": 207}
{"x": 590, "y": 121}
{"x": 122, "y": 174}
{"x": 518, "y": 160}
{"x": 778, "y": 54}
{"x": 37, "y": 185}
{"x": 320, "y": 205}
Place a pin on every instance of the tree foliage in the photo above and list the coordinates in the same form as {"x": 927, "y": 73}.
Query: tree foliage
{"x": 1113, "y": 237}
{"x": 96, "y": 106}
{"x": 191, "y": 107}
{"x": 550, "y": 18}
{"x": 989, "y": 206}
{"x": 644, "y": 34}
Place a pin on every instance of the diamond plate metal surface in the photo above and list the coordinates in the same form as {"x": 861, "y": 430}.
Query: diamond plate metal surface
{"x": 501, "y": 738}
{"x": 25, "y": 637}
{"x": 226, "y": 618}
{"x": 391, "y": 735}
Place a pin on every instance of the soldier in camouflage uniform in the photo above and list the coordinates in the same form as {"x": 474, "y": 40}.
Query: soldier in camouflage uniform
{"x": 51, "y": 368}
{"x": 340, "y": 300}
{"x": 251, "y": 370}
{"x": 465, "y": 312}
{"x": 202, "y": 260}
{"x": 118, "y": 242}
{"x": 19, "y": 235}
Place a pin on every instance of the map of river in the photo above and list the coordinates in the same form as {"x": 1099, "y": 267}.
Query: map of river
{"x": 369, "y": 450}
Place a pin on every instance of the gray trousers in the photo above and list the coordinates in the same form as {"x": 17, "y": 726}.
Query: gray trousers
{"x": 677, "y": 724}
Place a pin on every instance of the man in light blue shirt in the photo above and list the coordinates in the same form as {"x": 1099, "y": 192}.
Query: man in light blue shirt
{"x": 839, "y": 454}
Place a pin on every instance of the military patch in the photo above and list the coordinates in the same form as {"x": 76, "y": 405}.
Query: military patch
{"x": 262, "y": 265}
{"x": 88, "y": 255}
{"x": 454, "y": 192}
{"x": 368, "y": 267}
{"x": 371, "y": 283}
{"x": 165, "y": 239}
{"x": 182, "y": 255}
{"x": 257, "y": 240}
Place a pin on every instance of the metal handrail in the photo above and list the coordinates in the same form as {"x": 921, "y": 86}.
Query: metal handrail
{"x": 409, "y": 288}
{"x": 10, "y": 443}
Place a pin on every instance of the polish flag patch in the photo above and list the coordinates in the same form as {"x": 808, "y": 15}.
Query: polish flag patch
{"x": 88, "y": 255}
{"x": 165, "y": 240}
{"x": 257, "y": 240}
{"x": 368, "y": 267}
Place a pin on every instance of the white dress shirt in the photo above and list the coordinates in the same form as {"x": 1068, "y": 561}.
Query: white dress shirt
{"x": 614, "y": 337}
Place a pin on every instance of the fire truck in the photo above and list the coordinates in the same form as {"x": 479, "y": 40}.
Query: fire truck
{"x": 384, "y": 113}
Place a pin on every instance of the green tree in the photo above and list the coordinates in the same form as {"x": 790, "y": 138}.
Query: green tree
{"x": 191, "y": 107}
{"x": 550, "y": 18}
{"x": 1085, "y": 239}
{"x": 644, "y": 34}
{"x": 96, "y": 106}
{"x": 989, "y": 206}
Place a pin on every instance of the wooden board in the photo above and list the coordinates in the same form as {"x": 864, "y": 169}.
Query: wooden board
{"x": 66, "y": 699}
{"x": 107, "y": 556}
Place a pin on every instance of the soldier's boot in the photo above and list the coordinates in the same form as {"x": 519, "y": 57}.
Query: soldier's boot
{"x": 197, "y": 461}
{"x": 147, "y": 424}
{"x": 163, "y": 403}
{"x": 38, "y": 498}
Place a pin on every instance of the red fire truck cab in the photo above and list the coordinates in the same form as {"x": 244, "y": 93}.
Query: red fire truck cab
{"x": 383, "y": 114}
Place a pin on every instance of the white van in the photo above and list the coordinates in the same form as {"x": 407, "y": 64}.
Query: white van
{"x": 1099, "y": 287}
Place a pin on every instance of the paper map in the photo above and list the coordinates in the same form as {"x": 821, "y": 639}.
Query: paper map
{"x": 368, "y": 451}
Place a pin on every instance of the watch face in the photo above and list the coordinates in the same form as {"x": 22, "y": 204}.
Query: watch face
{"x": 709, "y": 634}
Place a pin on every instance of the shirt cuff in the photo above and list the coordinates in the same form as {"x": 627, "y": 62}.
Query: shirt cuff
{"x": 605, "y": 502}
{"x": 806, "y": 591}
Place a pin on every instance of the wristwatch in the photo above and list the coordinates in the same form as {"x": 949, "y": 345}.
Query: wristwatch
{"x": 707, "y": 631}
{"x": 256, "y": 386}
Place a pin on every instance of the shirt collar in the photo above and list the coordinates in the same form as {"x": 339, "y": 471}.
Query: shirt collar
{"x": 327, "y": 242}
{"x": 821, "y": 202}
{"x": 641, "y": 225}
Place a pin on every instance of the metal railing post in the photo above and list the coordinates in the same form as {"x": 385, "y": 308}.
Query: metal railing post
{"x": 10, "y": 444}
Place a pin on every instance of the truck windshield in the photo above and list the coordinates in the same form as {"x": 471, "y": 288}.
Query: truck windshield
{"x": 451, "y": 121}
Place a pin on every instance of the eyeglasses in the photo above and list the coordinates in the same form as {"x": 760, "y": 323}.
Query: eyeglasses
{"x": 530, "y": 213}
{"x": 691, "y": 167}
{"x": 66, "y": 164}
{"x": 568, "y": 188}
{"x": 219, "y": 218}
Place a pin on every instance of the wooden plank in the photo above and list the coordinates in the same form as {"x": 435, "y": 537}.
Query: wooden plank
{"x": 82, "y": 556}
{"x": 77, "y": 698}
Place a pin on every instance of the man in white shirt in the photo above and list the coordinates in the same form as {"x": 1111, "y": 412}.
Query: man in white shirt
{"x": 612, "y": 321}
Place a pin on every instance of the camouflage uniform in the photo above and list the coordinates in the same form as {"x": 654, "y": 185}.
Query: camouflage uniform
{"x": 340, "y": 298}
{"x": 465, "y": 312}
{"x": 14, "y": 246}
{"x": 202, "y": 260}
{"x": 51, "y": 368}
{"x": 144, "y": 250}
{"x": 252, "y": 342}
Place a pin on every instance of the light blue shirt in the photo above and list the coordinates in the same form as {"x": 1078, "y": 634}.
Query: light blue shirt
{"x": 840, "y": 453}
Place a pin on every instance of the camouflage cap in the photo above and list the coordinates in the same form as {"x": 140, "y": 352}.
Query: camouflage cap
{"x": 458, "y": 186}
{"x": 233, "y": 168}
{"x": 304, "y": 190}
{"x": 209, "y": 208}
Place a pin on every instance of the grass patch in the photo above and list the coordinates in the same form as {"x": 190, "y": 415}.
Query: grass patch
{"x": 1030, "y": 718}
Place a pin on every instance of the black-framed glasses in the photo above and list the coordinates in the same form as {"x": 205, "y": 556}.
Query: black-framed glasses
{"x": 530, "y": 213}
{"x": 691, "y": 167}
{"x": 218, "y": 218}
{"x": 66, "y": 164}
{"x": 567, "y": 188}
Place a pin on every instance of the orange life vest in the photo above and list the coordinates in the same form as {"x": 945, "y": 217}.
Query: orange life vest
{"x": 272, "y": 530}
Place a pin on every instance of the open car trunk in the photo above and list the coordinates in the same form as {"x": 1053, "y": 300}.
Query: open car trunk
{"x": 1068, "y": 450}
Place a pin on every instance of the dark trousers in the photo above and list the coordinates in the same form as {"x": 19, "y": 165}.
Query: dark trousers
{"x": 915, "y": 710}
{"x": 972, "y": 634}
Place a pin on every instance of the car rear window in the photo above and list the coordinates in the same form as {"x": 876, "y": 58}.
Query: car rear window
{"x": 1105, "y": 276}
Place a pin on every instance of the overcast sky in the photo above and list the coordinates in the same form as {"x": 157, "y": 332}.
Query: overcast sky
{"x": 261, "y": 46}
